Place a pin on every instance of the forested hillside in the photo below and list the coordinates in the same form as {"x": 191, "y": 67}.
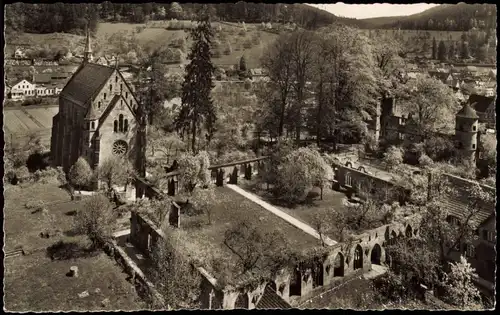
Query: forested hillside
{"x": 446, "y": 17}
{"x": 70, "y": 18}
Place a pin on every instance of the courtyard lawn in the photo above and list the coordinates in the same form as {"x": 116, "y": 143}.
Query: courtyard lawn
{"x": 35, "y": 283}
{"x": 307, "y": 211}
{"x": 18, "y": 123}
{"x": 230, "y": 208}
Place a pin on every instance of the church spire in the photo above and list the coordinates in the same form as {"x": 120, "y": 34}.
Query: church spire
{"x": 87, "y": 55}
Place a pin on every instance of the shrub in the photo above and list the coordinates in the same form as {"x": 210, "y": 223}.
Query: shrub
{"x": 34, "y": 204}
{"x": 80, "y": 173}
{"x": 247, "y": 44}
{"x": 193, "y": 223}
{"x": 22, "y": 174}
{"x": 217, "y": 54}
{"x": 96, "y": 220}
{"x": 393, "y": 157}
{"x": 425, "y": 160}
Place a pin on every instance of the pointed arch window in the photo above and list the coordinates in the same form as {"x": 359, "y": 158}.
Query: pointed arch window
{"x": 120, "y": 123}
{"x": 92, "y": 125}
{"x": 110, "y": 87}
{"x": 116, "y": 79}
{"x": 104, "y": 95}
{"x": 115, "y": 126}
{"x": 125, "y": 125}
{"x": 99, "y": 104}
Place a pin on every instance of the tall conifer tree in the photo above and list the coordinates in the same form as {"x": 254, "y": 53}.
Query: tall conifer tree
{"x": 197, "y": 109}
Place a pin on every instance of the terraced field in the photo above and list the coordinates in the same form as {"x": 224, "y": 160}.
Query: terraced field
{"x": 18, "y": 123}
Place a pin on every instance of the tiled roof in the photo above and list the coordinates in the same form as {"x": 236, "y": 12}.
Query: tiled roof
{"x": 481, "y": 103}
{"x": 86, "y": 82}
{"x": 467, "y": 112}
{"x": 271, "y": 300}
{"x": 457, "y": 203}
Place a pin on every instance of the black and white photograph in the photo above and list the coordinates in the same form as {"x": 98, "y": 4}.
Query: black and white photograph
{"x": 166, "y": 156}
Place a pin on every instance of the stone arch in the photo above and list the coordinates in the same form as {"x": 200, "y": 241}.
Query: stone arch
{"x": 376, "y": 254}
{"x": 362, "y": 169}
{"x": 271, "y": 285}
{"x": 338, "y": 265}
{"x": 296, "y": 283}
{"x": 120, "y": 123}
{"x": 241, "y": 301}
{"x": 348, "y": 179}
{"x": 317, "y": 273}
{"x": 393, "y": 237}
{"x": 358, "y": 257}
{"x": 348, "y": 164}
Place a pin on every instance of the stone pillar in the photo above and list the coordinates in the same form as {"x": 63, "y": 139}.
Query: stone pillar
{"x": 234, "y": 176}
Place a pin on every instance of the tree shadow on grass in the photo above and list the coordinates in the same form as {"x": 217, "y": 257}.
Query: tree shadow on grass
{"x": 69, "y": 250}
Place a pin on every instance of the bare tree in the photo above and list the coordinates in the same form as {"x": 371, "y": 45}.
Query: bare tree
{"x": 278, "y": 62}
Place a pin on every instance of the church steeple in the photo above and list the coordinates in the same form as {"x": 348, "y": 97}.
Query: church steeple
{"x": 87, "y": 55}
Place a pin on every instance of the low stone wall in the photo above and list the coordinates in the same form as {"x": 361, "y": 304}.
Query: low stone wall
{"x": 141, "y": 283}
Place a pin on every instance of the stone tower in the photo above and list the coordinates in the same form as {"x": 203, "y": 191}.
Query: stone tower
{"x": 87, "y": 54}
{"x": 466, "y": 132}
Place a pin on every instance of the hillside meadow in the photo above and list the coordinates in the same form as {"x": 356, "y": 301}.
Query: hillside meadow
{"x": 231, "y": 41}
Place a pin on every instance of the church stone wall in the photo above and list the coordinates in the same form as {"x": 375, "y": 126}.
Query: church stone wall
{"x": 109, "y": 136}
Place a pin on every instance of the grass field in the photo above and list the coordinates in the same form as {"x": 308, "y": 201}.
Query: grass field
{"x": 23, "y": 228}
{"x": 36, "y": 283}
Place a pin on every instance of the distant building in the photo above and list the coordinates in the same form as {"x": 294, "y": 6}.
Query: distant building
{"x": 19, "y": 54}
{"x": 258, "y": 74}
{"x": 22, "y": 89}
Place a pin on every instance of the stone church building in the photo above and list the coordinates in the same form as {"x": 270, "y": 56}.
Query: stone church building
{"x": 97, "y": 116}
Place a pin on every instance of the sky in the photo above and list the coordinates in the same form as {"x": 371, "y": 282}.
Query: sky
{"x": 364, "y": 11}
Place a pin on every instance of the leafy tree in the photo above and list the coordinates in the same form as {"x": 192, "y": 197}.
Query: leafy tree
{"x": 175, "y": 10}
{"x": 194, "y": 171}
{"x": 488, "y": 151}
{"x": 413, "y": 261}
{"x": 197, "y": 107}
{"x": 421, "y": 102}
{"x": 461, "y": 290}
{"x": 346, "y": 88}
{"x": 256, "y": 250}
{"x": 434, "y": 48}
{"x": 176, "y": 279}
{"x": 393, "y": 157}
{"x": 441, "y": 54}
{"x": 96, "y": 220}
{"x": 80, "y": 174}
{"x": 203, "y": 200}
{"x": 299, "y": 172}
{"x": 115, "y": 171}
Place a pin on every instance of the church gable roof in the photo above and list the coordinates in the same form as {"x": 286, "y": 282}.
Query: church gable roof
{"x": 86, "y": 82}
{"x": 111, "y": 106}
{"x": 481, "y": 103}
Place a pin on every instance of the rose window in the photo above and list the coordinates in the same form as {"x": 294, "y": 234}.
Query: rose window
{"x": 120, "y": 147}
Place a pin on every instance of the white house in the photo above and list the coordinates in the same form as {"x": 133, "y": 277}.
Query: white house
{"x": 22, "y": 90}
{"x": 19, "y": 53}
